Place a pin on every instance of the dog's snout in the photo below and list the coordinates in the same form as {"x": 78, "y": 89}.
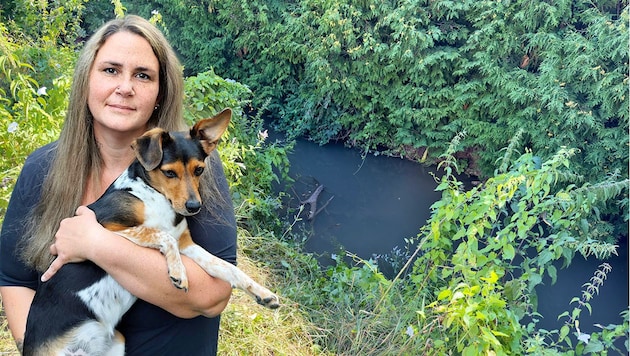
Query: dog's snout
{"x": 193, "y": 206}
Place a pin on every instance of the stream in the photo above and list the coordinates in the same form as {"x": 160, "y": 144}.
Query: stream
{"x": 373, "y": 203}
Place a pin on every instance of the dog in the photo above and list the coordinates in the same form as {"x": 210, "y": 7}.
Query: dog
{"x": 147, "y": 204}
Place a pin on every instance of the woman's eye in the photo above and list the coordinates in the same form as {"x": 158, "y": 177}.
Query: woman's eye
{"x": 109, "y": 70}
{"x": 143, "y": 76}
{"x": 170, "y": 174}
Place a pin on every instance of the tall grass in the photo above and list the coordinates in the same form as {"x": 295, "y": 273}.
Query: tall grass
{"x": 249, "y": 329}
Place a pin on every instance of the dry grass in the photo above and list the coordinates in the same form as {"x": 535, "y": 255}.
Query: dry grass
{"x": 249, "y": 329}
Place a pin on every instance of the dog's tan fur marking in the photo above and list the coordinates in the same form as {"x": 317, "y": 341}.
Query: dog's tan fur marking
{"x": 166, "y": 244}
{"x": 138, "y": 215}
{"x": 182, "y": 188}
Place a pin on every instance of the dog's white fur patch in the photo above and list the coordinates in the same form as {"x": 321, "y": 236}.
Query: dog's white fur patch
{"x": 99, "y": 296}
{"x": 160, "y": 215}
{"x": 92, "y": 338}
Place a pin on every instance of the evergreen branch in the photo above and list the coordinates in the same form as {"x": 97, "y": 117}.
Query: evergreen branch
{"x": 509, "y": 150}
{"x": 448, "y": 159}
{"x": 603, "y": 191}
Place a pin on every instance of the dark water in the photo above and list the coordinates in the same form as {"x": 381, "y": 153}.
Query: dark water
{"x": 611, "y": 299}
{"x": 376, "y": 203}
{"x": 379, "y": 201}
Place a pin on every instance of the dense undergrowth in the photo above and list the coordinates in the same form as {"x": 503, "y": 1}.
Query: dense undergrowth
{"x": 407, "y": 76}
{"x": 469, "y": 286}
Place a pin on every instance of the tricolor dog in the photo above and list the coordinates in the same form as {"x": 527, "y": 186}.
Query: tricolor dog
{"x": 148, "y": 205}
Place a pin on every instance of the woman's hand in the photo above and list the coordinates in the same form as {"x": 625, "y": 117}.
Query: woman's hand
{"x": 73, "y": 240}
{"x": 140, "y": 270}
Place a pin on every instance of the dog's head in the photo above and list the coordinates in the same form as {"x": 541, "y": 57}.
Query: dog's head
{"x": 174, "y": 161}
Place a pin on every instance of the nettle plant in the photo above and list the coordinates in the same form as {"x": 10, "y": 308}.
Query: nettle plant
{"x": 484, "y": 250}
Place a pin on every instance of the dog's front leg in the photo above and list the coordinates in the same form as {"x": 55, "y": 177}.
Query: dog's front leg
{"x": 166, "y": 244}
{"x": 221, "y": 269}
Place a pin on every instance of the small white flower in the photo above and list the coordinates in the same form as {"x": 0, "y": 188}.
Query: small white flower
{"x": 410, "y": 332}
{"x": 12, "y": 127}
{"x": 584, "y": 337}
{"x": 155, "y": 12}
{"x": 262, "y": 135}
{"x": 41, "y": 91}
{"x": 334, "y": 256}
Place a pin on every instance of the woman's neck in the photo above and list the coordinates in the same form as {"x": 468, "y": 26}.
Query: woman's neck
{"x": 116, "y": 155}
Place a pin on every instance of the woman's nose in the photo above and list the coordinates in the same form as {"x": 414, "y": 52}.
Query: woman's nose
{"x": 125, "y": 87}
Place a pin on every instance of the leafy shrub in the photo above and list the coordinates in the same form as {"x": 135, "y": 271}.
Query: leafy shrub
{"x": 251, "y": 163}
{"x": 486, "y": 250}
{"x": 32, "y": 113}
{"x": 406, "y": 76}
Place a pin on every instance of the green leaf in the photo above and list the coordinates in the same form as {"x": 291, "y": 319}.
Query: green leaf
{"x": 445, "y": 294}
{"x": 594, "y": 346}
{"x": 564, "y": 331}
{"x": 553, "y": 273}
{"x": 508, "y": 252}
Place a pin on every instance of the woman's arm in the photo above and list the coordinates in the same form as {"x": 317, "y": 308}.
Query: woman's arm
{"x": 140, "y": 270}
{"x": 17, "y": 280}
{"x": 16, "y": 302}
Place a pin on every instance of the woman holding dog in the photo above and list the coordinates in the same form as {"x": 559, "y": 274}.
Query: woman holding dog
{"x": 127, "y": 80}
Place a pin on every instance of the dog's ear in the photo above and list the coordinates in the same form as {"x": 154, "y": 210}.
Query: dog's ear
{"x": 148, "y": 148}
{"x": 209, "y": 131}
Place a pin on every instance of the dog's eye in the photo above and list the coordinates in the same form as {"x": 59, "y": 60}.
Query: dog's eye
{"x": 170, "y": 174}
{"x": 198, "y": 171}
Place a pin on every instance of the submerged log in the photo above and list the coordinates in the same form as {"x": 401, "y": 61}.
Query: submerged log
{"x": 312, "y": 202}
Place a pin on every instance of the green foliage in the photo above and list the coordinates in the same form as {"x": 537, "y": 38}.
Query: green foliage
{"x": 46, "y": 22}
{"x": 251, "y": 163}
{"x": 408, "y": 75}
{"x": 207, "y": 94}
{"x": 34, "y": 84}
{"x": 598, "y": 342}
{"x": 486, "y": 249}
{"x": 357, "y": 286}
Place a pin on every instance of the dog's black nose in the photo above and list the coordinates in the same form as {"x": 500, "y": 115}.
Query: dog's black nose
{"x": 193, "y": 206}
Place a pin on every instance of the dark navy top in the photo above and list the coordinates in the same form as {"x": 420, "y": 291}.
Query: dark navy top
{"x": 148, "y": 330}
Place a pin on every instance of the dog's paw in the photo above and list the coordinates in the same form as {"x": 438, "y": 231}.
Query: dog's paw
{"x": 179, "y": 283}
{"x": 271, "y": 301}
{"x": 179, "y": 280}
{"x": 264, "y": 297}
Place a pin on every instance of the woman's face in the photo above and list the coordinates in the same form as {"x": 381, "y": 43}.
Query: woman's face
{"x": 123, "y": 86}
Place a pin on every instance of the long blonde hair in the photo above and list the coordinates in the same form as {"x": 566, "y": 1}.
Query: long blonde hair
{"x": 77, "y": 157}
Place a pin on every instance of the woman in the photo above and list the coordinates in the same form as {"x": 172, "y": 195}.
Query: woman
{"x": 127, "y": 80}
